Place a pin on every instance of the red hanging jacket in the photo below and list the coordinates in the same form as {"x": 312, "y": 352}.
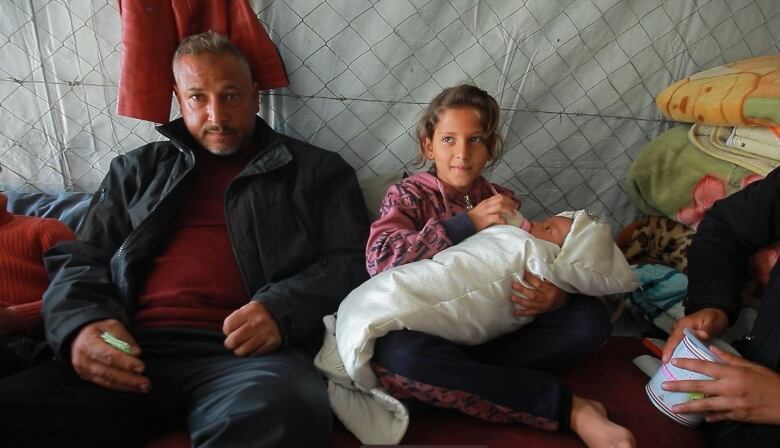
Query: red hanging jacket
{"x": 151, "y": 31}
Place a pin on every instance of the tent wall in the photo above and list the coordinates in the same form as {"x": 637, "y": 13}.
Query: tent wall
{"x": 576, "y": 80}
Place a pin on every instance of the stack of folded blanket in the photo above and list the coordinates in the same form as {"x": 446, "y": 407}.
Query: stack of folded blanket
{"x": 733, "y": 139}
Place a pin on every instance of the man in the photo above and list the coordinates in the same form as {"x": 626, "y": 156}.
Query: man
{"x": 744, "y": 394}
{"x": 214, "y": 256}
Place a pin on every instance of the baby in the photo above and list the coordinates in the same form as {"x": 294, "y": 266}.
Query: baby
{"x": 462, "y": 293}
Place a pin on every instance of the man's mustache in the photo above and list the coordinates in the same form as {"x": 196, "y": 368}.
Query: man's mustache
{"x": 219, "y": 129}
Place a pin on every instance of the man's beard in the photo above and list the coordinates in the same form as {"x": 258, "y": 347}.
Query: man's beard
{"x": 223, "y": 151}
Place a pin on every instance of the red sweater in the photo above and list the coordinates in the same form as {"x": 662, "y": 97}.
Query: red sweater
{"x": 23, "y": 278}
{"x": 194, "y": 281}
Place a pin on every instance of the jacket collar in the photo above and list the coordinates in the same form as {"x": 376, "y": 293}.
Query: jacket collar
{"x": 274, "y": 152}
{"x": 477, "y": 189}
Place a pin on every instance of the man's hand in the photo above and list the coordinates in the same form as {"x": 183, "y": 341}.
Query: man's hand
{"x": 707, "y": 323}
{"x": 97, "y": 361}
{"x": 541, "y": 298}
{"x": 740, "y": 390}
{"x": 491, "y": 211}
{"x": 251, "y": 330}
{"x": 10, "y": 322}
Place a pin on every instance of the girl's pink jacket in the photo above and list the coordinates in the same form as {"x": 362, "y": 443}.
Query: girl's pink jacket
{"x": 421, "y": 216}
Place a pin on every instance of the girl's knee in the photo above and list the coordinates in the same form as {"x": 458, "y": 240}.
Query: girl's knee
{"x": 591, "y": 325}
{"x": 399, "y": 348}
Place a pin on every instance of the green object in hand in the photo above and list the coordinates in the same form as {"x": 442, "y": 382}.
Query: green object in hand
{"x": 696, "y": 395}
{"x": 115, "y": 342}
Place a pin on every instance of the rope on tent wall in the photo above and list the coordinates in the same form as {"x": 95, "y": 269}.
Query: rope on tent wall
{"x": 387, "y": 103}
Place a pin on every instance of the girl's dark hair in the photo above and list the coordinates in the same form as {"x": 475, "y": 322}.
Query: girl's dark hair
{"x": 464, "y": 95}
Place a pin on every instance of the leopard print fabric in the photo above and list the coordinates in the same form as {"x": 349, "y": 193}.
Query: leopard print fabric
{"x": 661, "y": 240}
{"x": 658, "y": 240}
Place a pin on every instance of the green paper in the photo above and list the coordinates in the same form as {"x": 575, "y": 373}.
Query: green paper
{"x": 115, "y": 342}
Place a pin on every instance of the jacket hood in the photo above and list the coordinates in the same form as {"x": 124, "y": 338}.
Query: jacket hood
{"x": 430, "y": 180}
{"x": 479, "y": 190}
{"x": 177, "y": 132}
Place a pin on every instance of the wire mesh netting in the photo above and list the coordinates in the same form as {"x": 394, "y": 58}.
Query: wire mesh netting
{"x": 576, "y": 81}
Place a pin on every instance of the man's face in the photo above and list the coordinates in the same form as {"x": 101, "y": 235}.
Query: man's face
{"x": 553, "y": 229}
{"x": 217, "y": 100}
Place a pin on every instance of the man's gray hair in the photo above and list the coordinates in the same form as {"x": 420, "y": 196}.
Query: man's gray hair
{"x": 210, "y": 42}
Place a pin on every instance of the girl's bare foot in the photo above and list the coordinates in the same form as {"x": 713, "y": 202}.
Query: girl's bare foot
{"x": 589, "y": 420}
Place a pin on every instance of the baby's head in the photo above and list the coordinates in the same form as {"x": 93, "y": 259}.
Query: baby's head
{"x": 582, "y": 237}
{"x": 588, "y": 259}
{"x": 576, "y": 226}
{"x": 553, "y": 229}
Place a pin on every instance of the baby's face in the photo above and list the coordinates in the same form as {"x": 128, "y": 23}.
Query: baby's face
{"x": 553, "y": 229}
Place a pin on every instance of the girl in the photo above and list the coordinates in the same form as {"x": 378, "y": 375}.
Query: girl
{"x": 506, "y": 379}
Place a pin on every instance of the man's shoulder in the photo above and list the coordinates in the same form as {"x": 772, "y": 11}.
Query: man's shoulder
{"x": 307, "y": 153}
{"x": 152, "y": 149}
{"x": 148, "y": 153}
{"x": 296, "y": 145}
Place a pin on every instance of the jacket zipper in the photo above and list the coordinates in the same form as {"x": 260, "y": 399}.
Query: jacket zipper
{"x": 249, "y": 293}
{"x": 241, "y": 268}
{"x": 154, "y": 209}
{"x": 469, "y": 204}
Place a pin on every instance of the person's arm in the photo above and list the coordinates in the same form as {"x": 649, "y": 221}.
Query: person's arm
{"x": 403, "y": 233}
{"x": 81, "y": 288}
{"x": 49, "y": 232}
{"x": 81, "y": 303}
{"x": 299, "y": 302}
{"x": 733, "y": 229}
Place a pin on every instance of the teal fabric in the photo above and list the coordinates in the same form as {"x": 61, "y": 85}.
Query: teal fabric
{"x": 661, "y": 287}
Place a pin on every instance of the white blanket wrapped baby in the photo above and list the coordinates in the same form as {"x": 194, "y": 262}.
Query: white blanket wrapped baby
{"x": 461, "y": 294}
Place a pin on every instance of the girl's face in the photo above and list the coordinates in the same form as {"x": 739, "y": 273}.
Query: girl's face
{"x": 458, "y": 148}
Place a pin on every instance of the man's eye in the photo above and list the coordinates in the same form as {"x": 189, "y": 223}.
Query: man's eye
{"x": 195, "y": 97}
{"x": 231, "y": 96}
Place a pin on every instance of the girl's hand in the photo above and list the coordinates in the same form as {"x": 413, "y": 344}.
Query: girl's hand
{"x": 542, "y": 297}
{"x": 491, "y": 211}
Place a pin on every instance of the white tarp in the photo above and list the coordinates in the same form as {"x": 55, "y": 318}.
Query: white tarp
{"x": 576, "y": 78}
